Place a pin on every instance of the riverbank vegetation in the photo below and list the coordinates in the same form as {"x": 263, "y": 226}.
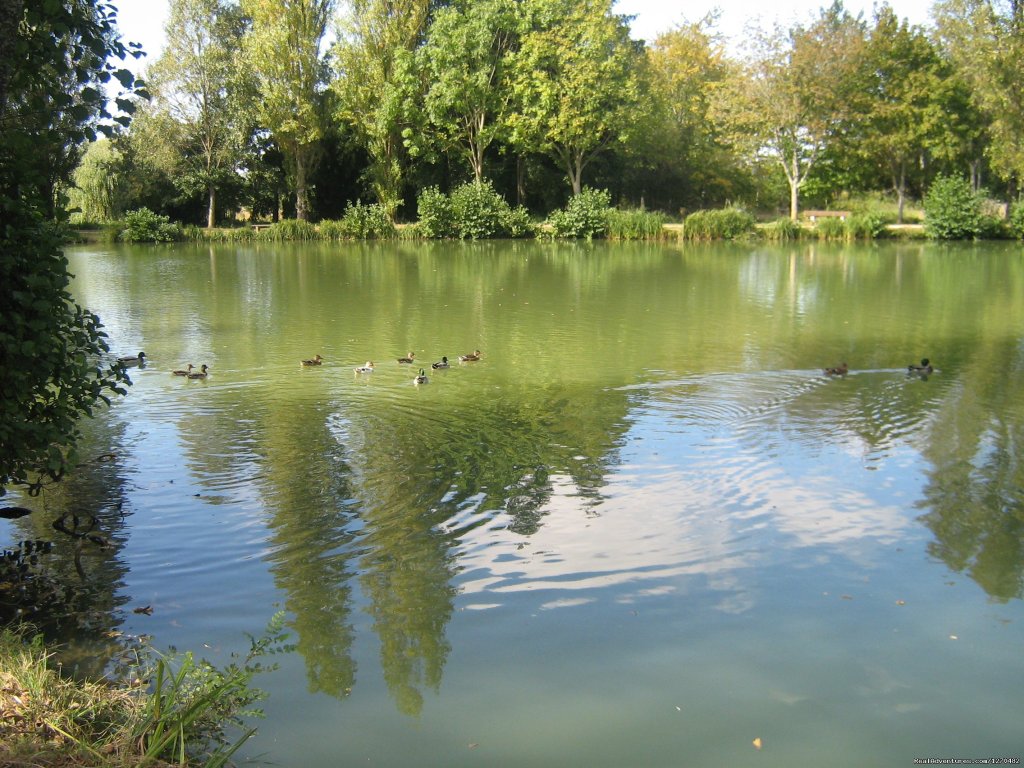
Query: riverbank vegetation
{"x": 404, "y": 113}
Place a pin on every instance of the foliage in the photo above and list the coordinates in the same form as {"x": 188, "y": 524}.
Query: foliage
{"x": 864, "y": 226}
{"x": 436, "y": 219}
{"x": 144, "y": 226}
{"x": 830, "y": 229}
{"x": 635, "y": 225}
{"x": 290, "y": 230}
{"x": 782, "y": 230}
{"x": 184, "y": 717}
{"x": 585, "y": 216}
{"x": 99, "y": 183}
{"x": 577, "y": 80}
{"x": 473, "y": 211}
{"x": 722, "y": 224}
{"x": 283, "y": 54}
{"x": 53, "y": 61}
{"x": 952, "y": 210}
{"x": 359, "y": 222}
{"x": 993, "y": 228}
{"x": 1017, "y": 221}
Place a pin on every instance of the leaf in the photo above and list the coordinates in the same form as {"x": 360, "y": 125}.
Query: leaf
{"x": 757, "y": 743}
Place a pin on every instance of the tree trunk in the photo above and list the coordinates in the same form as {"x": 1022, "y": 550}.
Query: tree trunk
{"x": 211, "y": 207}
{"x": 301, "y": 192}
{"x": 900, "y": 185}
{"x": 793, "y": 177}
{"x": 520, "y": 180}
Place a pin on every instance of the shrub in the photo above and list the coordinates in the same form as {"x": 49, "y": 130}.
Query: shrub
{"x": 289, "y": 230}
{"x": 361, "y": 222}
{"x": 865, "y": 226}
{"x": 952, "y": 211}
{"x": 830, "y": 229}
{"x": 993, "y": 228}
{"x": 478, "y": 211}
{"x": 782, "y": 229}
{"x": 435, "y": 214}
{"x": 635, "y": 224}
{"x": 145, "y": 226}
{"x": 724, "y": 224}
{"x": 517, "y": 223}
{"x": 585, "y": 216}
{"x": 1017, "y": 221}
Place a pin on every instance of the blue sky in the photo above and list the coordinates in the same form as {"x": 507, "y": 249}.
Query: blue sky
{"x": 142, "y": 21}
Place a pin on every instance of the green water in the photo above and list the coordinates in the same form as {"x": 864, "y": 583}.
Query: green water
{"x": 643, "y": 530}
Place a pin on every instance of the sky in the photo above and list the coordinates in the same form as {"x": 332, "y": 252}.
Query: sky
{"x": 142, "y": 21}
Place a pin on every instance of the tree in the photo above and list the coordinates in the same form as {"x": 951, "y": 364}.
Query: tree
{"x": 466, "y": 61}
{"x": 98, "y": 182}
{"x": 193, "y": 125}
{"x": 577, "y": 81}
{"x": 795, "y": 91}
{"x": 53, "y": 64}
{"x": 377, "y": 83}
{"x": 986, "y": 42}
{"x": 283, "y": 52}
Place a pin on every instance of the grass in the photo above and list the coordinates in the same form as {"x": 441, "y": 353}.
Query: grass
{"x": 161, "y": 710}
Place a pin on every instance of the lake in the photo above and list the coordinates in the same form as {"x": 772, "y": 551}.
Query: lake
{"x": 645, "y": 529}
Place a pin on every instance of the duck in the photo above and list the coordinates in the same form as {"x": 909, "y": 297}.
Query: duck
{"x": 471, "y": 357}
{"x": 184, "y": 372}
{"x": 407, "y": 359}
{"x": 924, "y": 367}
{"x": 840, "y": 370}
{"x": 421, "y": 378}
{"x": 317, "y": 360}
{"x": 440, "y": 365}
{"x": 202, "y": 373}
{"x": 139, "y": 359}
{"x": 368, "y": 368}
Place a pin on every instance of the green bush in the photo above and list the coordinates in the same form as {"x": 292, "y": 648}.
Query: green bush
{"x": 145, "y": 226}
{"x": 993, "y": 228}
{"x": 952, "y": 210}
{"x": 517, "y": 223}
{"x": 782, "y": 229}
{"x": 827, "y": 228}
{"x": 435, "y": 214}
{"x": 289, "y": 230}
{"x": 478, "y": 211}
{"x": 585, "y": 216}
{"x": 865, "y": 226}
{"x": 1017, "y": 221}
{"x": 635, "y": 224}
{"x": 724, "y": 224}
{"x": 359, "y": 222}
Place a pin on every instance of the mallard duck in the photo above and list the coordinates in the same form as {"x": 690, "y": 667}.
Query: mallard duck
{"x": 840, "y": 370}
{"x": 421, "y": 378}
{"x": 202, "y": 373}
{"x": 185, "y": 372}
{"x": 368, "y": 368}
{"x": 924, "y": 367}
{"x": 139, "y": 359}
{"x": 408, "y": 359}
{"x": 470, "y": 358}
{"x": 317, "y": 360}
{"x": 442, "y": 364}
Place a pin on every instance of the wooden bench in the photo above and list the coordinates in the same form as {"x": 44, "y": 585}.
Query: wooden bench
{"x": 258, "y": 227}
{"x": 815, "y": 215}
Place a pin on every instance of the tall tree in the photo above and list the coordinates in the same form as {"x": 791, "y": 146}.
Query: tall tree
{"x": 986, "y": 41}
{"x": 377, "y": 83}
{"x": 796, "y": 89}
{"x": 54, "y": 60}
{"x": 192, "y": 124}
{"x": 466, "y": 62}
{"x": 285, "y": 57}
{"x": 577, "y": 82}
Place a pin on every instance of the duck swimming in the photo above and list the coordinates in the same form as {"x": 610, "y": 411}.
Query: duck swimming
{"x": 185, "y": 372}
{"x": 924, "y": 367}
{"x": 368, "y": 368}
{"x": 317, "y": 360}
{"x": 407, "y": 359}
{"x": 139, "y": 359}
{"x": 440, "y": 365}
{"x": 471, "y": 357}
{"x": 202, "y": 373}
{"x": 421, "y": 378}
{"x": 840, "y": 370}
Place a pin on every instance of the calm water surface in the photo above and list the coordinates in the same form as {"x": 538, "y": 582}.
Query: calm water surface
{"x": 644, "y": 530}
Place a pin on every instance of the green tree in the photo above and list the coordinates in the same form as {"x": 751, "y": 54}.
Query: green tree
{"x": 193, "y": 126}
{"x": 577, "y": 81}
{"x": 986, "y": 42}
{"x": 53, "y": 64}
{"x": 377, "y": 84}
{"x": 283, "y": 51}
{"x": 99, "y": 182}
{"x": 795, "y": 91}
{"x": 466, "y": 61}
